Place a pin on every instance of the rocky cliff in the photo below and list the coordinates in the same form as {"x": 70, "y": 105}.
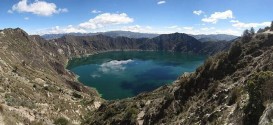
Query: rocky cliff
{"x": 37, "y": 89}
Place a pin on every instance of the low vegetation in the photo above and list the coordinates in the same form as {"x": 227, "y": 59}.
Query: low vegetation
{"x": 61, "y": 121}
{"x": 259, "y": 87}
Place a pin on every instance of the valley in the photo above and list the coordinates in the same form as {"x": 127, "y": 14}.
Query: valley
{"x": 34, "y": 79}
{"x": 36, "y": 87}
{"x": 136, "y": 62}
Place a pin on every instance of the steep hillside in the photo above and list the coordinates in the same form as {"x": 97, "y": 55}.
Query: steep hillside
{"x": 34, "y": 85}
{"x": 233, "y": 87}
{"x": 37, "y": 89}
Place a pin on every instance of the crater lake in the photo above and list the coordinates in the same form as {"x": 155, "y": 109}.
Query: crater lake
{"x": 123, "y": 74}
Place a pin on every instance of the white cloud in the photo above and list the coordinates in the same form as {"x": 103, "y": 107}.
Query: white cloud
{"x": 114, "y": 66}
{"x": 239, "y": 24}
{"x": 138, "y": 28}
{"x": 161, "y": 2}
{"x": 234, "y": 21}
{"x": 26, "y": 18}
{"x": 172, "y": 27}
{"x": 218, "y": 16}
{"x": 187, "y": 28}
{"x": 207, "y": 28}
{"x": 10, "y": 11}
{"x": 135, "y": 28}
{"x": 96, "y": 11}
{"x": 60, "y": 30}
{"x": 106, "y": 19}
{"x": 41, "y": 8}
{"x": 204, "y": 30}
{"x": 198, "y": 12}
{"x": 175, "y": 27}
{"x": 227, "y": 31}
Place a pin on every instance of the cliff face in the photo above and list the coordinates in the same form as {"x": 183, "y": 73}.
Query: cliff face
{"x": 233, "y": 87}
{"x": 37, "y": 89}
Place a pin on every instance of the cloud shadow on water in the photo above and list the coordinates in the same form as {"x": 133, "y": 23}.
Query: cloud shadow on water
{"x": 138, "y": 87}
{"x": 162, "y": 73}
{"x": 148, "y": 80}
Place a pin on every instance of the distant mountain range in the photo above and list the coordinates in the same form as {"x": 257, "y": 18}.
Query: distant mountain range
{"x": 113, "y": 34}
{"x": 129, "y": 34}
{"x": 214, "y": 37}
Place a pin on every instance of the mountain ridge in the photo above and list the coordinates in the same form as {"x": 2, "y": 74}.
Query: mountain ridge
{"x": 129, "y": 34}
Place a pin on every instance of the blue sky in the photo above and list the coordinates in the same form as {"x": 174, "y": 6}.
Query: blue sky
{"x": 151, "y": 16}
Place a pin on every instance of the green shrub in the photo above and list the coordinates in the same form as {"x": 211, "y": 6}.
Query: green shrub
{"x": 235, "y": 51}
{"x": 255, "y": 107}
{"x": 109, "y": 113}
{"x": 131, "y": 113}
{"x": 267, "y": 90}
{"x": 234, "y": 95}
{"x": 15, "y": 68}
{"x": 61, "y": 121}
{"x": 76, "y": 95}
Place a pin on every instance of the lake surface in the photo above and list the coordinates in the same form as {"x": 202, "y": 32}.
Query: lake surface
{"x": 118, "y": 75}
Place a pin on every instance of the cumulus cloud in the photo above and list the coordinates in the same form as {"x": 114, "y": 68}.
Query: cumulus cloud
{"x": 60, "y": 30}
{"x": 239, "y": 24}
{"x": 40, "y": 8}
{"x": 137, "y": 28}
{"x": 207, "y": 28}
{"x": 218, "y": 16}
{"x": 175, "y": 27}
{"x": 198, "y": 12}
{"x": 95, "y": 24}
{"x": 172, "y": 27}
{"x": 106, "y": 19}
{"x": 187, "y": 28}
{"x": 96, "y": 11}
{"x": 114, "y": 66}
{"x": 161, "y": 2}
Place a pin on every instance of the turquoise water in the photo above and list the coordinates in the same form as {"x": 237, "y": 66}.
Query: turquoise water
{"x": 118, "y": 75}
